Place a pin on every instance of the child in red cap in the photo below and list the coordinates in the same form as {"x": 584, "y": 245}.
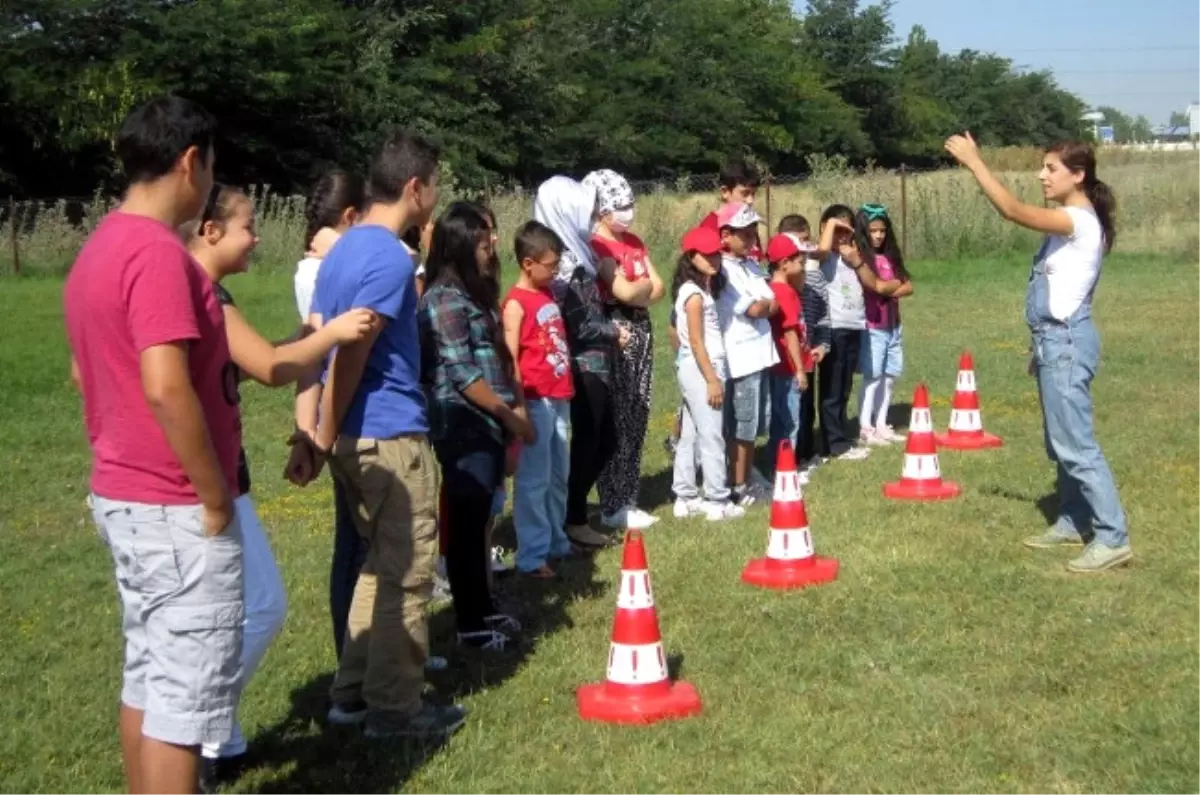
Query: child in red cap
{"x": 789, "y": 379}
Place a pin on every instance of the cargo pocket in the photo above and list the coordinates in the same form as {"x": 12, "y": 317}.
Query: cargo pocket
{"x": 367, "y": 480}
{"x": 200, "y": 658}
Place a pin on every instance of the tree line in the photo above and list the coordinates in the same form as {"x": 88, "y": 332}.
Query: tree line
{"x": 513, "y": 89}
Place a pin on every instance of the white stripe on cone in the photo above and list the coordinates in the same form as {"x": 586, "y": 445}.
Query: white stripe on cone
{"x": 636, "y": 665}
{"x": 965, "y": 420}
{"x": 922, "y": 421}
{"x": 921, "y": 467}
{"x": 787, "y": 487}
{"x": 966, "y": 381}
{"x": 790, "y": 544}
{"x": 635, "y": 591}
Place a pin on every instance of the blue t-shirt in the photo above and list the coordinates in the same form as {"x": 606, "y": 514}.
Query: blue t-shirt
{"x": 369, "y": 268}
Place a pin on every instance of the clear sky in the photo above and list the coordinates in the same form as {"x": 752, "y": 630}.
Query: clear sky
{"x": 1140, "y": 56}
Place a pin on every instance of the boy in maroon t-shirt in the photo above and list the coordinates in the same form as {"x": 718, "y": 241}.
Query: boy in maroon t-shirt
{"x": 150, "y": 358}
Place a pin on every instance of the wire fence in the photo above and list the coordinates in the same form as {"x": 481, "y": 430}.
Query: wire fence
{"x": 937, "y": 212}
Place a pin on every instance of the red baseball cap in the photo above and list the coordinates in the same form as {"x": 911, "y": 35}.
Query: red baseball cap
{"x": 787, "y": 245}
{"x": 702, "y": 240}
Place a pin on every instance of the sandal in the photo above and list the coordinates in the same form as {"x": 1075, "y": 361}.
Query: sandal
{"x": 542, "y": 572}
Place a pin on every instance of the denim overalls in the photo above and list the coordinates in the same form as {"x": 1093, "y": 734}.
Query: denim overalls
{"x": 1067, "y": 354}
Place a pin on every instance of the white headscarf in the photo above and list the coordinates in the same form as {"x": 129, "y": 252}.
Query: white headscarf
{"x": 566, "y": 206}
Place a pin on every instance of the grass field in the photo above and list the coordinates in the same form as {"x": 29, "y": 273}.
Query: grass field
{"x": 946, "y": 657}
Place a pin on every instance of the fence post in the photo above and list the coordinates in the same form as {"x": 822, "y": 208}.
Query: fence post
{"x": 903, "y": 211}
{"x": 12, "y": 226}
{"x": 768, "y": 186}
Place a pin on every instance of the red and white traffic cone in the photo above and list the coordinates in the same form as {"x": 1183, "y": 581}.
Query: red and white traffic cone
{"x": 966, "y": 425}
{"x": 922, "y": 476}
{"x": 790, "y": 561}
{"x": 637, "y": 688}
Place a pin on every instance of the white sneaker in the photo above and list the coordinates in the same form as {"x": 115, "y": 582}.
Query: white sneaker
{"x": 888, "y": 433}
{"x": 721, "y": 511}
{"x": 802, "y": 476}
{"x": 630, "y": 518}
{"x": 854, "y": 454}
{"x": 685, "y": 508}
{"x": 869, "y": 437}
{"x": 498, "y": 564}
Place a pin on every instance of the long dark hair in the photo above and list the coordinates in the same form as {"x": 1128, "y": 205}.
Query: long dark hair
{"x": 686, "y": 271}
{"x": 1080, "y": 157}
{"x": 890, "y": 249}
{"x": 334, "y": 193}
{"x": 451, "y": 261}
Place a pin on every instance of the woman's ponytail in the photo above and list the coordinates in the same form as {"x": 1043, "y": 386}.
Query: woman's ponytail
{"x": 1080, "y": 158}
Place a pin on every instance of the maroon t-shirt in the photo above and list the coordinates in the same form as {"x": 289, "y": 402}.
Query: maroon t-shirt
{"x": 134, "y": 286}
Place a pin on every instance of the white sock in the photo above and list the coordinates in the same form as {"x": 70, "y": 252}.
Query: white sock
{"x": 866, "y": 401}
{"x": 885, "y": 400}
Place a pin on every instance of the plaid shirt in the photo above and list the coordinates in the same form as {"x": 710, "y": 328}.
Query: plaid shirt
{"x": 590, "y": 333}
{"x": 458, "y": 347}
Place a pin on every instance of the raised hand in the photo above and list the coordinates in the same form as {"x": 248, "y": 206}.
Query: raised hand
{"x": 353, "y": 325}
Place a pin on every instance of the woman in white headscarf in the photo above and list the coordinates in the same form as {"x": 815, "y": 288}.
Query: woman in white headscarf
{"x": 568, "y": 208}
{"x": 629, "y": 284}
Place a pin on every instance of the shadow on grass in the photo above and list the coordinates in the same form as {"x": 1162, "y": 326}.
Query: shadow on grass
{"x": 303, "y": 754}
{"x": 1048, "y": 504}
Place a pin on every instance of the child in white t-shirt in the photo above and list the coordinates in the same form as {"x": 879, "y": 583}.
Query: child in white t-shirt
{"x": 744, "y": 308}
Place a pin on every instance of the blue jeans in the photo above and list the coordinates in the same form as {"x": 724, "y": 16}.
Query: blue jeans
{"x": 785, "y": 414}
{"x": 540, "y": 487}
{"x": 1067, "y": 356}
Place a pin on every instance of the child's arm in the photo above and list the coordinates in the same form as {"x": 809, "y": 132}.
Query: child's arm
{"x": 278, "y": 365}
{"x": 791, "y": 340}
{"x": 657, "y": 288}
{"x": 673, "y": 335}
{"x": 631, "y": 293}
{"x": 746, "y": 303}
{"x": 694, "y": 308}
{"x": 513, "y": 314}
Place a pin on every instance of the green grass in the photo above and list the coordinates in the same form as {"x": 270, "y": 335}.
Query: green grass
{"x": 945, "y": 657}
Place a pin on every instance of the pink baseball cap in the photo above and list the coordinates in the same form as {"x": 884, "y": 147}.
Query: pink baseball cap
{"x": 737, "y": 215}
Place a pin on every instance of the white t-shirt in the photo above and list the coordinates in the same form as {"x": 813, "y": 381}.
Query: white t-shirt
{"x": 306, "y": 283}
{"x": 1073, "y": 263}
{"x": 749, "y": 348}
{"x": 846, "y": 309}
{"x": 714, "y": 343}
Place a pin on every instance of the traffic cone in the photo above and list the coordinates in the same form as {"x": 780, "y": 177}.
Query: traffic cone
{"x": 637, "y": 688}
{"x": 790, "y": 560}
{"x": 966, "y": 426}
{"x": 922, "y": 477}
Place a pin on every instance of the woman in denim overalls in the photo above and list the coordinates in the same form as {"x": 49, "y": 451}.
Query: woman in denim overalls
{"x": 1066, "y": 347}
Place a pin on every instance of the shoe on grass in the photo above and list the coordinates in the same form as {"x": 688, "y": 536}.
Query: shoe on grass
{"x": 350, "y": 714}
{"x": 584, "y": 535}
{"x": 722, "y": 511}
{"x": 1098, "y": 557}
{"x": 686, "y": 508}
{"x": 433, "y": 722}
{"x": 1053, "y": 538}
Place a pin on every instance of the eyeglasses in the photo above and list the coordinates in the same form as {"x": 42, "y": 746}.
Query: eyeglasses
{"x": 874, "y": 212}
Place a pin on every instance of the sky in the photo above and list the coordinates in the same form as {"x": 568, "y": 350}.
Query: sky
{"x": 1139, "y": 56}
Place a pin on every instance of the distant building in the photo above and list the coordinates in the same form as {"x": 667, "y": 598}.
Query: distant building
{"x": 1164, "y": 133}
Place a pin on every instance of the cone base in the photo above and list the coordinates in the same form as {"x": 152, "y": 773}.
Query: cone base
{"x": 920, "y": 490}
{"x": 767, "y": 573}
{"x": 963, "y": 441}
{"x": 595, "y": 703}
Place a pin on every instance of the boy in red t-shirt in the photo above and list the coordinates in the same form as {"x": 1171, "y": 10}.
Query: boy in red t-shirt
{"x": 151, "y": 360}
{"x": 789, "y": 378}
{"x": 537, "y": 340}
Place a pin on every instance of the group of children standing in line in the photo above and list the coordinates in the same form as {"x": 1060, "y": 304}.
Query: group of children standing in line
{"x": 754, "y": 346}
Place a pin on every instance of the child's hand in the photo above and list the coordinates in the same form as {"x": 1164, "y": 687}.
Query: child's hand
{"x": 1031, "y": 368}
{"x": 802, "y": 381}
{"x": 353, "y": 325}
{"x": 519, "y": 426}
{"x": 511, "y": 456}
{"x": 818, "y": 354}
{"x": 623, "y": 336}
{"x": 716, "y": 393}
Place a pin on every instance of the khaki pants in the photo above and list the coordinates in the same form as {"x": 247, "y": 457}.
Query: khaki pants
{"x": 392, "y": 487}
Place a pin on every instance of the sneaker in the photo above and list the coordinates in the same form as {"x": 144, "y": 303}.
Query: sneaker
{"x": 745, "y": 496}
{"x": 721, "y": 511}
{"x": 888, "y": 434}
{"x": 1054, "y": 537}
{"x": 350, "y": 714}
{"x": 802, "y": 476}
{"x": 441, "y": 590}
{"x": 869, "y": 437}
{"x": 498, "y": 564}
{"x": 854, "y": 454}
{"x": 502, "y": 622}
{"x": 484, "y": 639}
{"x": 542, "y": 572}
{"x": 685, "y": 508}
{"x": 436, "y": 663}
{"x": 433, "y": 722}
{"x": 584, "y": 535}
{"x": 630, "y": 518}
{"x": 1100, "y": 557}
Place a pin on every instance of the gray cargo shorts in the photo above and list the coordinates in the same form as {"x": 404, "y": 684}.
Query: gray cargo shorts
{"x": 182, "y": 597}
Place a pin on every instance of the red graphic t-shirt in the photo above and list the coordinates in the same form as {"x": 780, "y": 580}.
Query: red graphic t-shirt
{"x": 543, "y": 358}
{"x": 630, "y": 255}
{"x": 133, "y": 287}
{"x": 789, "y": 317}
